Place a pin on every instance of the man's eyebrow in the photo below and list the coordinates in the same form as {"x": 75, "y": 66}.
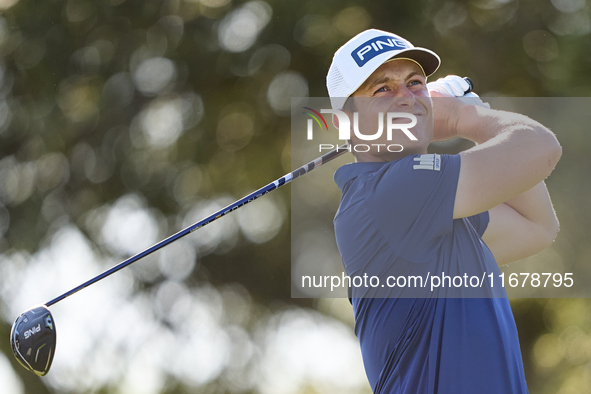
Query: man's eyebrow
{"x": 413, "y": 73}
{"x": 381, "y": 80}
{"x": 386, "y": 78}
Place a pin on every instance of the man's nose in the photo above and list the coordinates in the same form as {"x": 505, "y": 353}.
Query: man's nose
{"x": 404, "y": 97}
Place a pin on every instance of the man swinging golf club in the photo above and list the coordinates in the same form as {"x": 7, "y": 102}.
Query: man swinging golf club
{"x": 409, "y": 213}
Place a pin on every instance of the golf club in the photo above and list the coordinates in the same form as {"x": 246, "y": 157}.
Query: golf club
{"x": 33, "y": 334}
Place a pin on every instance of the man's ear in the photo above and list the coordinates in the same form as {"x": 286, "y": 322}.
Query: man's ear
{"x": 335, "y": 121}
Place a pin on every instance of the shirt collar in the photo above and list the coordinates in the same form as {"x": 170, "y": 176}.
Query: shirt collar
{"x": 352, "y": 170}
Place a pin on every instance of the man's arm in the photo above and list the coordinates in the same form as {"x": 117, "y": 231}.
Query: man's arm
{"x": 504, "y": 174}
{"x": 522, "y": 226}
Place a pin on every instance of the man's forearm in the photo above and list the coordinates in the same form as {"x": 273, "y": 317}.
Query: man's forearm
{"x": 535, "y": 205}
{"x": 480, "y": 124}
{"x": 522, "y": 226}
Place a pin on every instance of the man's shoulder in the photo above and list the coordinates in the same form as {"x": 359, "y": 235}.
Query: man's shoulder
{"x": 411, "y": 169}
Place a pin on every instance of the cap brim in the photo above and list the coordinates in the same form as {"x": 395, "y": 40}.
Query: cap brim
{"x": 427, "y": 59}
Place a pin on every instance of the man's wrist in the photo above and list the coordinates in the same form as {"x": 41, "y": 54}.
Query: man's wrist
{"x": 473, "y": 124}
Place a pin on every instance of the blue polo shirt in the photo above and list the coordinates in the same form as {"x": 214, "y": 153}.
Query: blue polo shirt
{"x": 395, "y": 220}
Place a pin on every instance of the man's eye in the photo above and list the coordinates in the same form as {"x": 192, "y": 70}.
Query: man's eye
{"x": 382, "y": 89}
{"x": 416, "y": 82}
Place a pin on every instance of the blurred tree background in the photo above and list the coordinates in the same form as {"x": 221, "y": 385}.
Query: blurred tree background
{"x": 122, "y": 121}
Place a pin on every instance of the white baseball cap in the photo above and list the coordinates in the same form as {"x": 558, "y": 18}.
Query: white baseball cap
{"x": 355, "y": 61}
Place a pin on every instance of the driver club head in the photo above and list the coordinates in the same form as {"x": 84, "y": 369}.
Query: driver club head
{"x": 33, "y": 339}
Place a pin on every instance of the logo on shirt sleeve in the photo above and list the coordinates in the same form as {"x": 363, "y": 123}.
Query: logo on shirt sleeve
{"x": 428, "y": 162}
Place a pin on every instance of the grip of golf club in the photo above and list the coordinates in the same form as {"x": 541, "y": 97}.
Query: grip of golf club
{"x": 471, "y": 87}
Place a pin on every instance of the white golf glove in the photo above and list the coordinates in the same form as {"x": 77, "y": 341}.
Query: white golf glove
{"x": 456, "y": 86}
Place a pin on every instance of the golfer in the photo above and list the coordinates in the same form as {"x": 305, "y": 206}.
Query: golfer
{"x": 405, "y": 212}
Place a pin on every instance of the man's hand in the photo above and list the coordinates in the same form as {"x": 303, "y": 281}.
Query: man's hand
{"x": 455, "y": 86}
{"x": 446, "y": 105}
{"x": 449, "y": 99}
{"x": 452, "y": 86}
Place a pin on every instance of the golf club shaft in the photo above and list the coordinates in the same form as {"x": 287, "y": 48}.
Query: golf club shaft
{"x": 235, "y": 205}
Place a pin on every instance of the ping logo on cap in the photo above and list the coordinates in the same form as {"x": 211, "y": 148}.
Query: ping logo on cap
{"x": 377, "y": 45}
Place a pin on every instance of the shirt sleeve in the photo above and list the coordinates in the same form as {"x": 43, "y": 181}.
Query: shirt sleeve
{"x": 479, "y": 222}
{"x": 412, "y": 203}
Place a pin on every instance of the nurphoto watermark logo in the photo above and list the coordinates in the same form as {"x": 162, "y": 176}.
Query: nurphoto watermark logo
{"x": 389, "y": 123}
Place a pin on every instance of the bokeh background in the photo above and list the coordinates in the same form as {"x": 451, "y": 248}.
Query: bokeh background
{"x": 122, "y": 121}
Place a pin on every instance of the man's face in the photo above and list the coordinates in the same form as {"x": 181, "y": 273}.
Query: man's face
{"x": 396, "y": 86}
